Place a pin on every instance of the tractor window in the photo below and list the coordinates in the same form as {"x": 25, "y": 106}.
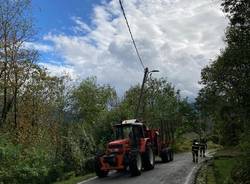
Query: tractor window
{"x": 127, "y": 131}
{"x": 138, "y": 131}
{"x": 123, "y": 132}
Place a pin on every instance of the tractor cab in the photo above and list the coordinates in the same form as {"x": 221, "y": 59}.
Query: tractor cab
{"x": 129, "y": 129}
{"x": 127, "y": 135}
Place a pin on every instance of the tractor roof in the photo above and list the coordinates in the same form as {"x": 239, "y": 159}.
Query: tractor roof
{"x": 130, "y": 122}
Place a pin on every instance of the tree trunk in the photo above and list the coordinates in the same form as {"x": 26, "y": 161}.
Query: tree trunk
{"x": 15, "y": 103}
{"x": 4, "y": 110}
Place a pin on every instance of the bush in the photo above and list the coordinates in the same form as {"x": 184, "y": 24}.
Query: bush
{"x": 55, "y": 172}
{"x": 88, "y": 166}
{"x": 214, "y": 139}
{"x": 241, "y": 172}
{"x": 22, "y": 165}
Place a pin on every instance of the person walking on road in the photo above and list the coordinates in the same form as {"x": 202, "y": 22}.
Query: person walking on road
{"x": 203, "y": 147}
{"x": 195, "y": 151}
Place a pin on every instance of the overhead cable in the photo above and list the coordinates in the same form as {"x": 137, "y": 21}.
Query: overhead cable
{"x": 131, "y": 35}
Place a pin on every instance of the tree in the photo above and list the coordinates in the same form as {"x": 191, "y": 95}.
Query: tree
{"x": 15, "y": 60}
{"x": 89, "y": 100}
{"x": 237, "y": 11}
{"x": 226, "y": 92}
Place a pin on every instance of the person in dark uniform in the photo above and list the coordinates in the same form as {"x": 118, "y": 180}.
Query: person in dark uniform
{"x": 195, "y": 150}
{"x": 203, "y": 147}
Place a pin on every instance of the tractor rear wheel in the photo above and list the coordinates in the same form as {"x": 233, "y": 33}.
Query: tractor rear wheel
{"x": 100, "y": 173}
{"x": 149, "y": 159}
{"x": 165, "y": 155}
{"x": 135, "y": 164}
{"x": 171, "y": 155}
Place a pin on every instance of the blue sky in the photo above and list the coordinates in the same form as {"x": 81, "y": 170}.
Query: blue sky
{"x": 83, "y": 38}
{"x": 56, "y": 14}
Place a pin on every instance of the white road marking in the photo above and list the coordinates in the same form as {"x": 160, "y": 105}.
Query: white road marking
{"x": 188, "y": 178}
{"x": 85, "y": 181}
{"x": 90, "y": 179}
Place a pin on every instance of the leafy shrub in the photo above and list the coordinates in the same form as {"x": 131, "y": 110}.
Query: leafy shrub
{"x": 88, "y": 166}
{"x": 22, "y": 165}
{"x": 241, "y": 172}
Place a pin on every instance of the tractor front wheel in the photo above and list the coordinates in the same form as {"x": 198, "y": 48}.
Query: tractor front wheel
{"x": 100, "y": 173}
{"x": 135, "y": 164}
{"x": 149, "y": 159}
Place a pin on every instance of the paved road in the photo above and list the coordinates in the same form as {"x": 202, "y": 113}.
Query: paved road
{"x": 179, "y": 171}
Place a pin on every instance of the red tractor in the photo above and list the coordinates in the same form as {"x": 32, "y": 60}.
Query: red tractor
{"x": 134, "y": 147}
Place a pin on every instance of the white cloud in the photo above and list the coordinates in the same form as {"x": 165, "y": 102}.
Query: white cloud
{"x": 60, "y": 70}
{"x": 178, "y": 37}
{"x": 38, "y": 46}
{"x": 80, "y": 25}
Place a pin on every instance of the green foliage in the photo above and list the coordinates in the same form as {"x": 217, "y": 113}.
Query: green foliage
{"x": 237, "y": 11}
{"x": 76, "y": 149}
{"x": 222, "y": 170}
{"x": 219, "y": 169}
{"x": 241, "y": 172}
{"x": 166, "y": 109}
{"x": 225, "y": 95}
{"x": 90, "y": 100}
{"x": 129, "y": 103}
{"x": 94, "y": 106}
{"x": 22, "y": 165}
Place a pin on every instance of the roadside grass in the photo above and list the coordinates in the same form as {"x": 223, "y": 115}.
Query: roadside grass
{"x": 222, "y": 169}
{"x": 210, "y": 175}
{"x": 218, "y": 170}
{"x": 206, "y": 175}
{"x": 76, "y": 179}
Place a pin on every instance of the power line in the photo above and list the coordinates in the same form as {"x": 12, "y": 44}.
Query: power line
{"x": 131, "y": 35}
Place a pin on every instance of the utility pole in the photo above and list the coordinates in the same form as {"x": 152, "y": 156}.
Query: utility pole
{"x": 146, "y": 72}
{"x": 141, "y": 92}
